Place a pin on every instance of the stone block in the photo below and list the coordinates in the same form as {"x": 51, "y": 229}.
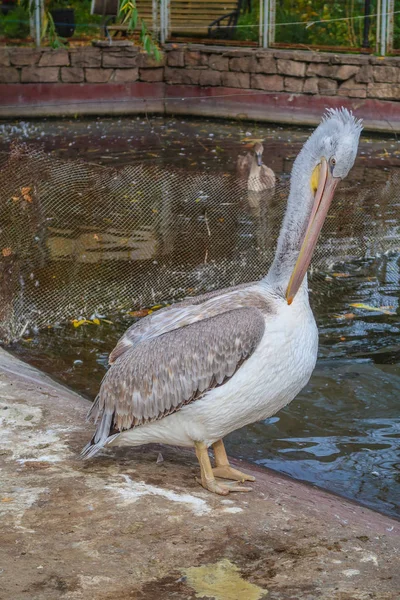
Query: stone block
{"x": 98, "y": 75}
{"x": 311, "y": 86}
{"x": 302, "y": 55}
{"x": 291, "y": 67}
{"x": 85, "y": 57}
{"x": 210, "y": 78}
{"x": 327, "y": 87}
{"x": 72, "y": 75}
{"x": 182, "y": 76}
{"x": 235, "y": 79}
{"x": 385, "y": 74}
{"x": 145, "y": 61}
{"x": 349, "y": 59}
{"x": 294, "y": 85}
{"x": 125, "y": 75}
{"x": 265, "y": 64}
{"x": 270, "y": 83}
{"x": 345, "y": 72}
{"x": 195, "y": 59}
{"x": 352, "y": 89}
{"x": 9, "y": 75}
{"x": 365, "y": 74}
{"x": 243, "y": 64}
{"x": 40, "y": 74}
{"x": 176, "y": 58}
{"x": 383, "y": 91}
{"x": 322, "y": 70}
{"x": 123, "y": 59}
{"x": 218, "y": 62}
{"x": 151, "y": 75}
{"x": 24, "y": 57}
{"x": 4, "y": 58}
{"x": 54, "y": 58}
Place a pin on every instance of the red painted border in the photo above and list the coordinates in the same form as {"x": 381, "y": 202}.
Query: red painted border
{"x": 47, "y": 99}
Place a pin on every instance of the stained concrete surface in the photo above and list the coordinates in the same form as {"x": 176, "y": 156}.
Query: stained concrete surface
{"x": 128, "y": 526}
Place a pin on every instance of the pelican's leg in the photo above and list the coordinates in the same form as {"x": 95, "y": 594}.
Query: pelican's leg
{"x": 223, "y": 469}
{"x": 208, "y": 480}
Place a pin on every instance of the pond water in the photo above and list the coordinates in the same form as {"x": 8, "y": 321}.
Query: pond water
{"x": 343, "y": 431}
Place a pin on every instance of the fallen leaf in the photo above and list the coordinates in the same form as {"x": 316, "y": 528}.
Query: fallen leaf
{"x": 372, "y": 308}
{"x": 341, "y": 274}
{"x": 96, "y": 237}
{"x": 79, "y": 322}
{"x": 16, "y": 198}
{"x": 96, "y": 321}
{"x": 342, "y": 339}
{"x": 6, "y": 251}
{"x": 139, "y": 313}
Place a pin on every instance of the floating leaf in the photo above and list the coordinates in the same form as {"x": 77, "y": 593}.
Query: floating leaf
{"x": 96, "y": 321}
{"x": 381, "y": 309}
{"x": 341, "y": 274}
{"x": 6, "y": 251}
{"x": 16, "y": 198}
{"x": 79, "y": 322}
{"x": 139, "y": 313}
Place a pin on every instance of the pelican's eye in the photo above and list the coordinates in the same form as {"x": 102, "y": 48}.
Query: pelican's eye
{"x": 333, "y": 161}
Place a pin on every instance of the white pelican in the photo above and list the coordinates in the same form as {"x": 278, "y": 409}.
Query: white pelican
{"x": 190, "y": 374}
{"x": 259, "y": 176}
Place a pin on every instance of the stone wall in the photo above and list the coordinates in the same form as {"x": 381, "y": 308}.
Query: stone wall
{"x": 294, "y": 72}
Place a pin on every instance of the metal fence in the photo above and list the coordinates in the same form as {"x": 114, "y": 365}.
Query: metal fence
{"x": 368, "y": 26}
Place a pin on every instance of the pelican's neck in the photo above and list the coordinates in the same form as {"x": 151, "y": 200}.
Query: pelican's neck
{"x": 294, "y": 224}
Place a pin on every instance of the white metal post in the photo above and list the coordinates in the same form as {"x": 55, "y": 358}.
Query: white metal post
{"x": 167, "y": 18}
{"x": 271, "y": 21}
{"x": 266, "y": 23}
{"x": 390, "y": 26}
{"x": 384, "y": 20}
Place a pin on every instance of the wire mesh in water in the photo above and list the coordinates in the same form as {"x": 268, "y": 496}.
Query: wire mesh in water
{"x": 78, "y": 238}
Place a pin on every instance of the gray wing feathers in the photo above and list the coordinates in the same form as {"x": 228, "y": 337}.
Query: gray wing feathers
{"x": 173, "y": 317}
{"x": 161, "y": 375}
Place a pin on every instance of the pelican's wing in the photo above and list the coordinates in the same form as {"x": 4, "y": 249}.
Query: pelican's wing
{"x": 161, "y": 375}
{"x": 180, "y": 314}
{"x": 267, "y": 177}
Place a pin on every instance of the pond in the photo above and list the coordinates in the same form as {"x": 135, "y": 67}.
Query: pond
{"x": 342, "y": 432}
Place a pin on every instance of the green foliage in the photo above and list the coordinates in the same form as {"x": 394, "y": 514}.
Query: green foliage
{"x": 343, "y": 27}
{"x": 128, "y": 15}
{"x": 15, "y": 25}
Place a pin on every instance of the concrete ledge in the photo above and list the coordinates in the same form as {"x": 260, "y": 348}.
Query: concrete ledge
{"x": 64, "y": 99}
{"x": 124, "y": 526}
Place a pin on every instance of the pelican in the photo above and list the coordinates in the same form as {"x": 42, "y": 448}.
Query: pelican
{"x": 192, "y": 373}
{"x": 259, "y": 176}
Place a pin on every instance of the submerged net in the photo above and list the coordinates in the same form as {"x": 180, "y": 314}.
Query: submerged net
{"x": 78, "y": 239}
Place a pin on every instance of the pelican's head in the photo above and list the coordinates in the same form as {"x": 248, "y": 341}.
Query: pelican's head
{"x": 258, "y": 152}
{"x": 325, "y": 159}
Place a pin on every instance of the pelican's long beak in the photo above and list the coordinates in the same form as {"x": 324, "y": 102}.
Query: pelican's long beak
{"x": 259, "y": 160}
{"x": 323, "y": 197}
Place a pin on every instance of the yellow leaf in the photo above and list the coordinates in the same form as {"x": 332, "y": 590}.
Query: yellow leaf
{"x": 15, "y": 198}
{"x": 79, "y": 322}
{"x": 340, "y": 274}
{"x": 156, "y": 307}
{"x": 96, "y": 321}
{"x": 107, "y": 321}
{"x": 372, "y": 308}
